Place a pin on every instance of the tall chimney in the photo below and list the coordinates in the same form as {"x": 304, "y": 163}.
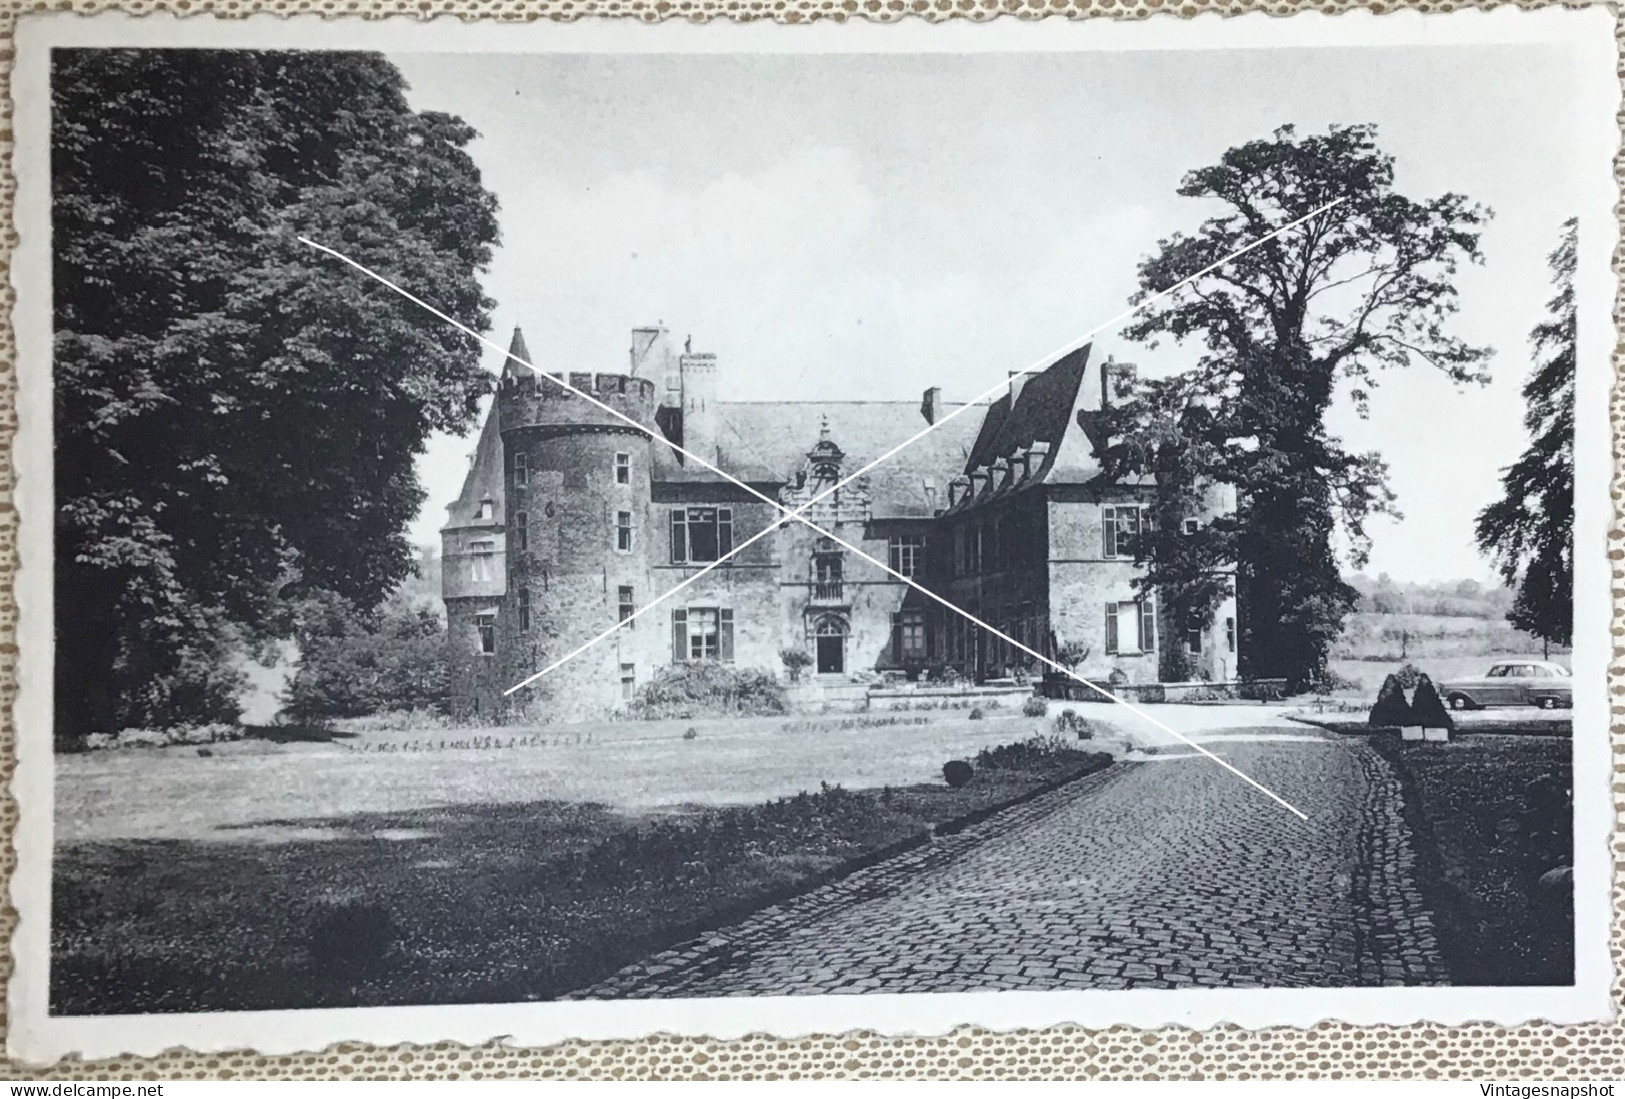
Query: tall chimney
{"x": 1116, "y": 383}
{"x": 702, "y": 419}
{"x": 931, "y": 406}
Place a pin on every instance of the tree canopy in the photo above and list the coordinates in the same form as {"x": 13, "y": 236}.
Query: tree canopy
{"x": 235, "y": 413}
{"x": 1363, "y": 287}
{"x": 1529, "y": 532}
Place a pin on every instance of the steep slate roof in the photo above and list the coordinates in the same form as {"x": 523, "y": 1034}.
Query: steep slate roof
{"x": 768, "y": 441}
{"x": 484, "y": 480}
{"x": 1043, "y": 411}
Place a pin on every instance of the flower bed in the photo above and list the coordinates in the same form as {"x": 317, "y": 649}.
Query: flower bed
{"x": 1491, "y": 815}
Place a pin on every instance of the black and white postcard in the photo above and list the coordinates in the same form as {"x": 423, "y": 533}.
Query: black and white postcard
{"x": 586, "y": 530}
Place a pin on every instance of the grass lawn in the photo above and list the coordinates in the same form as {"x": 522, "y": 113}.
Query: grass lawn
{"x": 255, "y": 790}
{"x": 1491, "y": 815}
{"x": 464, "y": 903}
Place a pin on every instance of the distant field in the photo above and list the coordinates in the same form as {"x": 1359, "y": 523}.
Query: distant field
{"x": 1369, "y": 674}
{"x": 1400, "y": 637}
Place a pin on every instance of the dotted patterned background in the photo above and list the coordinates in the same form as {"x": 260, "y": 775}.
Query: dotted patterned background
{"x": 1329, "y": 1051}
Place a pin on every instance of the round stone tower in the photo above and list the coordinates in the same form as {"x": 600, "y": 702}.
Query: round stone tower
{"x": 577, "y": 511}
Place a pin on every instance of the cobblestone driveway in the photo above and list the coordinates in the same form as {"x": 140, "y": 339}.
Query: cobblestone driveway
{"x": 1158, "y": 874}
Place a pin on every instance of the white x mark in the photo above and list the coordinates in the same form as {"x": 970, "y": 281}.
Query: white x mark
{"x": 797, "y": 515}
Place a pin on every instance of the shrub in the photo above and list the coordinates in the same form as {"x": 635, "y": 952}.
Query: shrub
{"x": 1391, "y": 707}
{"x": 956, "y": 772}
{"x": 976, "y": 714}
{"x": 1034, "y": 707}
{"x": 1072, "y": 653}
{"x": 1044, "y": 755}
{"x": 1428, "y": 707}
{"x": 1068, "y": 722}
{"x": 165, "y": 738}
{"x": 691, "y": 733}
{"x": 684, "y": 690}
{"x": 195, "y": 682}
{"x": 352, "y": 664}
{"x": 795, "y": 662}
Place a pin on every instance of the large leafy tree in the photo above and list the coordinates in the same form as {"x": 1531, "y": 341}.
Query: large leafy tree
{"x": 1529, "y": 532}
{"x": 1365, "y": 286}
{"x": 236, "y": 414}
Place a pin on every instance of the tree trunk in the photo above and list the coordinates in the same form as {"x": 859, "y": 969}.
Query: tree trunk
{"x": 87, "y": 641}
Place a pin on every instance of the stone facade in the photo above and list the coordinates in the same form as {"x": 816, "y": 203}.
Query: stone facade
{"x": 570, "y": 520}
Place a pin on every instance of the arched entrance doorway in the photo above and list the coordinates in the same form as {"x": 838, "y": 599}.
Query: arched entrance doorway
{"x": 829, "y": 643}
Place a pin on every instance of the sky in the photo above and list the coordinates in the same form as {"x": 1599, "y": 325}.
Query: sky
{"x": 868, "y": 226}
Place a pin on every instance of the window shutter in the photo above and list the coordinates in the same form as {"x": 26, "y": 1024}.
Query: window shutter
{"x": 897, "y": 638}
{"x": 679, "y": 536}
{"x": 1148, "y": 626}
{"x": 1108, "y": 531}
{"x": 679, "y": 636}
{"x": 725, "y": 635}
{"x": 725, "y": 532}
{"x": 1111, "y": 627}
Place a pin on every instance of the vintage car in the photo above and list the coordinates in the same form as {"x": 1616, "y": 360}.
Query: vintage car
{"x": 1513, "y": 683}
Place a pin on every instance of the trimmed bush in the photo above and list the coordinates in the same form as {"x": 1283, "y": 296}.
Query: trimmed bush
{"x": 1391, "y": 707}
{"x": 1428, "y": 708}
{"x": 956, "y": 772}
{"x": 795, "y": 662}
{"x": 691, "y": 733}
{"x": 1034, "y": 707}
{"x": 707, "y": 688}
{"x": 976, "y": 714}
{"x": 1069, "y": 723}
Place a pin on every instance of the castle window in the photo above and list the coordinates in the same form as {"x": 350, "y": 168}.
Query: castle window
{"x": 486, "y": 624}
{"x": 623, "y": 469}
{"x": 521, "y": 469}
{"x": 1193, "y": 639}
{"x": 702, "y": 633}
{"x": 1131, "y": 627}
{"x": 623, "y": 531}
{"x": 521, "y": 530}
{"x": 908, "y": 636}
{"x": 700, "y": 535}
{"x": 488, "y": 510}
{"x": 973, "y": 548}
{"x": 1192, "y": 526}
{"x": 482, "y": 561}
{"x": 1122, "y": 526}
{"x": 628, "y": 607}
{"x": 906, "y": 552}
{"x": 629, "y": 682}
{"x": 1230, "y": 634}
{"x": 524, "y": 609}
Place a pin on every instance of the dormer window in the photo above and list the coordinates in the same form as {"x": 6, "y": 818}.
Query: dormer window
{"x": 488, "y": 510}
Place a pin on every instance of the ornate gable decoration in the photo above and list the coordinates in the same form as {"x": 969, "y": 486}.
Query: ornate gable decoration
{"x": 848, "y": 504}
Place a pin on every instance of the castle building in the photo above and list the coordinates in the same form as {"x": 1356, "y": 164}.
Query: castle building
{"x": 570, "y": 520}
